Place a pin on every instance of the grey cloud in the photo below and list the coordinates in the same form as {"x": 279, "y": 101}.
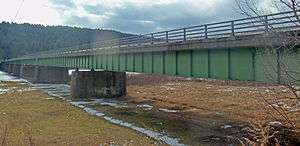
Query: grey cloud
{"x": 80, "y": 21}
{"x": 142, "y": 19}
{"x": 65, "y": 3}
{"x": 96, "y": 9}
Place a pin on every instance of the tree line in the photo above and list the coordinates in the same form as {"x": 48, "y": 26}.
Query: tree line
{"x": 20, "y": 39}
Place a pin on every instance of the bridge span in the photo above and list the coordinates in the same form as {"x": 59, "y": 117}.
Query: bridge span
{"x": 251, "y": 49}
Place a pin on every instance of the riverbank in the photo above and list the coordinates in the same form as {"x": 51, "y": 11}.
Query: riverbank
{"x": 32, "y": 117}
{"x": 220, "y": 112}
{"x": 171, "y": 110}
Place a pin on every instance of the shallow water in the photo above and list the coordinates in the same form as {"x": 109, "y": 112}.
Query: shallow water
{"x": 167, "y": 125}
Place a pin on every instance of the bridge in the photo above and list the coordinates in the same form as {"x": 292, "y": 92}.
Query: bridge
{"x": 229, "y": 50}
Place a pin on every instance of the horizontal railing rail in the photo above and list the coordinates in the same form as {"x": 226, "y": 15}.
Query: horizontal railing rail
{"x": 282, "y": 22}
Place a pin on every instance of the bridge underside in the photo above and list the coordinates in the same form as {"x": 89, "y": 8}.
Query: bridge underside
{"x": 246, "y": 64}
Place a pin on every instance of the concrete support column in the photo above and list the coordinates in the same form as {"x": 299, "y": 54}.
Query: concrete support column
{"x": 51, "y": 75}
{"x": 45, "y": 74}
{"x": 10, "y": 68}
{"x": 104, "y": 84}
{"x": 28, "y": 72}
{"x": 3, "y": 67}
{"x": 16, "y": 70}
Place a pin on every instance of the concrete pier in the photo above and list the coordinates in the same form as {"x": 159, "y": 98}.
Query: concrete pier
{"x": 44, "y": 74}
{"x": 105, "y": 84}
{"x": 27, "y": 72}
{"x": 16, "y": 70}
{"x": 51, "y": 75}
{"x": 10, "y": 68}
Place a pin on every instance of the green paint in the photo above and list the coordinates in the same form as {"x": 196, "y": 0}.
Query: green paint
{"x": 265, "y": 67}
{"x": 219, "y": 64}
{"x": 170, "y": 63}
{"x": 115, "y": 62}
{"x": 147, "y": 63}
{"x": 241, "y": 64}
{"x": 122, "y": 62}
{"x": 184, "y": 63}
{"x": 104, "y": 61}
{"x": 290, "y": 66}
{"x": 200, "y": 63}
{"x": 235, "y": 63}
{"x": 158, "y": 63}
{"x": 109, "y": 62}
{"x": 138, "y": 62}
{"x": 130, "y": 62}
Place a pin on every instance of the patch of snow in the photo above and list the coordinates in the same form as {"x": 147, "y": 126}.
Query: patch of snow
{"x": 150, "y": 133}
{"x": 49, "y": 98}
{"x": 4, "y": 90}
{"x": 109, "y": 102}
{"x": 276, "y": 123}
{"x": 226, "y": 126}
{"x": 145, "y": 106}
{"x": 25, "y": 90}
{"x": 169, "y": 111}
{"x": 6, "y": 77}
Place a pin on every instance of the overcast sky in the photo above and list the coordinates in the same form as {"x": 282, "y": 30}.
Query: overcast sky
{"x": 136, "y": 16}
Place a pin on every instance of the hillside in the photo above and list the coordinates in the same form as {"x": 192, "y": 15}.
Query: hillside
{"x": 20, "y": 39}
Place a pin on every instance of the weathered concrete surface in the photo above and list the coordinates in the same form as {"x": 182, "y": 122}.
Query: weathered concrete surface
{"x": 16, "y": 70}
{"x": 10, "y": 68}
{"x": 28, "y": 72}
{"x": 4, "y": 67}
{"x": 51, "y": 75}
{"x": 107, "y": 84}
{"x": 44, "y": 74}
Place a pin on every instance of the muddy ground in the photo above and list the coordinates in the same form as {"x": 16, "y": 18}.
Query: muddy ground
{"x": 218, "y": 112}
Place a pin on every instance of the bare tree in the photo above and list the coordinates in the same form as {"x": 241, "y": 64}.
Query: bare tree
{"x": 286, "y": 73}
{"x": 285, "y": 69}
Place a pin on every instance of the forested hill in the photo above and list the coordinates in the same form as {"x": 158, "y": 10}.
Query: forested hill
{"x": 20, "y": 39}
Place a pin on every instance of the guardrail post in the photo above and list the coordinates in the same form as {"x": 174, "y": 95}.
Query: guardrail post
{"x": 232, "y": 28}
{"x": 266, "y": 24}
{"x": 152, "y": 38}
{"x": 140, "y": 39}
{"x": 205, "y": 31}
{"x": 167, "y": 36}
{"x": 184, "y": 34}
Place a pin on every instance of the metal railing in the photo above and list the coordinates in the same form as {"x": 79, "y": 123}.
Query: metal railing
{"x": 279, "y": 22}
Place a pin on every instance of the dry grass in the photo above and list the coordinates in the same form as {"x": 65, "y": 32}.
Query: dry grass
{"x": 34, "y": 119}
{"x": 240, "y": 102}
{"x": 254, "y": 104}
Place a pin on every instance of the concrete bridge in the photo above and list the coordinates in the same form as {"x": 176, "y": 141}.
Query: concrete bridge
{"x": 230, "y": 50}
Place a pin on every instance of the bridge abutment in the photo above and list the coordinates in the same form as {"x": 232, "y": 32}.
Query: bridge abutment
{"x": 106, "y": 84}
